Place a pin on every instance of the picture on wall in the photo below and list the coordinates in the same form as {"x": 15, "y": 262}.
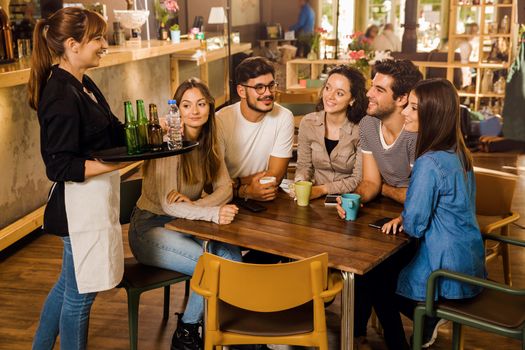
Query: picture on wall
{"x": 245, "y": 12}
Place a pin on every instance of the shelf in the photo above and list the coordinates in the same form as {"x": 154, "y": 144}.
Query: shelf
{"x": 493, "y": 94}
{"x": 468, "y": 36}
{"x": 486, "y": 15}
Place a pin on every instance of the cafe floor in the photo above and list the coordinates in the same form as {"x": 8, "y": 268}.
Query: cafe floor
{"x": 29, "y": 268}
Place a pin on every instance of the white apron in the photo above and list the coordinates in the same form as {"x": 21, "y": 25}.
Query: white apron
{"x": 92, "y": 209}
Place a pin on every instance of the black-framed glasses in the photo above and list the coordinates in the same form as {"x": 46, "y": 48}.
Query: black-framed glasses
{"x": 260, "y": 89}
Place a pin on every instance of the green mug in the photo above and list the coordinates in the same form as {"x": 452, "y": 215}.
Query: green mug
{"x": 302, "y": 192}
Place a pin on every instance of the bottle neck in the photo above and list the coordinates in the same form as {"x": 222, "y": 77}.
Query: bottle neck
{"x": 154, "y": 118}
{"x": 130, "y": 118}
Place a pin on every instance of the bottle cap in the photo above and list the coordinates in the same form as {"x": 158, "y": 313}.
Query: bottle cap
{"x": 172, "y": 102}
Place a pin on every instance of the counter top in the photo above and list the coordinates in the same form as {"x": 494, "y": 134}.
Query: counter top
{"x": 18, "y": 73}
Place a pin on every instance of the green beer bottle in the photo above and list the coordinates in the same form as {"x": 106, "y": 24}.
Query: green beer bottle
{"x": 154, "y": 129}
{"x": 131, "y": 129}
{"x": 142, "y": 126}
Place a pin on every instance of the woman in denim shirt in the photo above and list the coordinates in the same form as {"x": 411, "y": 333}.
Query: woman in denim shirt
{"x": 440, "y": 205}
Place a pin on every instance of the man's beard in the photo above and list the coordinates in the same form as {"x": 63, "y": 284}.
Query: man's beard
{"x": 383, "y": 113}
{"x": 254, "y": 107}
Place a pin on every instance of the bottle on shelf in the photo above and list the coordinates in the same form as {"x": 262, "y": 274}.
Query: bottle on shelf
{"x": 487, "y": 85}
{"x": 174, "y": 124}
{"x": 499, "y": 85}
{"x": 131, "y": 129}
{"x": 7, "y": 52}
{"x": 504, "y": 26}
{"x": 154, "y": 129}
{"x": 119, "y": 38}
{"x": 142, "y": 126}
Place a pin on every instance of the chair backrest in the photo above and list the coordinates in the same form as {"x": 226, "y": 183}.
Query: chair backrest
{"x": 129, "y": 194}
{"x": 265, "y": 288}
{"x": 296, "y": 97}
{"x": 299, "y": 109}
{"x": 494, "y": 192}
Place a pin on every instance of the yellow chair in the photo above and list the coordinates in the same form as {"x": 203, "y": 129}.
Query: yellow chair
{"x": 265, "y": 304}
{"x": 494, "y": 192}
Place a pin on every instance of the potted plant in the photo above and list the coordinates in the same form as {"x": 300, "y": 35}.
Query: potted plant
{"x": 165, "y": 10}
{"x": 175, "y": 33}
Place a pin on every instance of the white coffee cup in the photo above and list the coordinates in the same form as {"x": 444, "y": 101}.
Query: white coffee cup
{"x": 267, "y": 179}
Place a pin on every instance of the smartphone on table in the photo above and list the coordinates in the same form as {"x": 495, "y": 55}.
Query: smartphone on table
{"x": 379, "y": 223}
{"x": 330, "y": 199}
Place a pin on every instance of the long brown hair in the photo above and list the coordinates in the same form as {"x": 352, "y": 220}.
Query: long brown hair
{"x": 439, "y": 123}
{"x": 357, "y": 89}
{"x": 208, "y": 150}
{"x": 48, "y": 43}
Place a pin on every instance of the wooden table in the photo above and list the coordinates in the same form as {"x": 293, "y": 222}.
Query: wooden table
{"x": 300, "y": 232}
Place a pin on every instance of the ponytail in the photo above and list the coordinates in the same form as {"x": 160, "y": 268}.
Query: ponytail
{"x": 41, "y": 62}
{"x": 48, "y": 43}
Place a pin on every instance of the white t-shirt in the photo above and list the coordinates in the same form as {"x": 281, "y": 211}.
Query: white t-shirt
{"x": 248, "y": 146}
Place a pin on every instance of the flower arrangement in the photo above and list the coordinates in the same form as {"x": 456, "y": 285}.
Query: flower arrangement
{"x": 316, "y": 39}
{"x": 360, "y": 50}
{"x": 175, "y": 27}
{"x": 165, "y": 10}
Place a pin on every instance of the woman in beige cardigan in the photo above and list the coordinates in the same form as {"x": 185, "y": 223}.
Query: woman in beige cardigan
{"x": 329, "y": 149}
{"x": 172, "y": 188}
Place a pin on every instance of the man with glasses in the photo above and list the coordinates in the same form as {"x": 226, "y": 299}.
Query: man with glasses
{"x": 255, "y": 134}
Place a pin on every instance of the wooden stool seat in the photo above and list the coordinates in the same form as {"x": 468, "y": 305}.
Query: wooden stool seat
{"x": 137, "y": 275}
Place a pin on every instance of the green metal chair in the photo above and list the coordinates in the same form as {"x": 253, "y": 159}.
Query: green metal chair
{"x": 139, "y": 278}
{"x": 499, "y": 308}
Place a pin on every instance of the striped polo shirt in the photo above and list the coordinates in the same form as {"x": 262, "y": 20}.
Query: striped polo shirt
{"x": 395, "y": 160}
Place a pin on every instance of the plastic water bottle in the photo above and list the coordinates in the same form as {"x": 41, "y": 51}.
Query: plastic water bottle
{"x": 173, "y": 121}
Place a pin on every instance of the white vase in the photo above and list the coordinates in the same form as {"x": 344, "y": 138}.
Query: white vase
{"x": 175, "y": 36}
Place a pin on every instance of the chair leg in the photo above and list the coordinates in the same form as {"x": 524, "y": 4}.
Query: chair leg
{"x": 208, "y": 345}
{"x": 323, "y": 344}
{"x": 166, "y": 313}
{"x": 457, "y": 336}
{"x": 506, "y": 257}
{"x": 187, "y": 289}
{"x": 133, "y": 317}
{"x": 419, "y": 317}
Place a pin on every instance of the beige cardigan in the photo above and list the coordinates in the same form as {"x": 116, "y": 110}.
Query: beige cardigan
{"x": 161, "y": 177}
{"x": 341, "y": 172}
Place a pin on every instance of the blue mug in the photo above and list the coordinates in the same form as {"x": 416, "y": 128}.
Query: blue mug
{"x": 351, "y": 203}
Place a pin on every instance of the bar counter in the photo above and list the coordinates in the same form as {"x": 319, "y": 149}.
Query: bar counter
{"x": 18, "y": 73}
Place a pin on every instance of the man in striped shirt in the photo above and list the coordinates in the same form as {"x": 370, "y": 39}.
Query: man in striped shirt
{"x": 388, "y": 153}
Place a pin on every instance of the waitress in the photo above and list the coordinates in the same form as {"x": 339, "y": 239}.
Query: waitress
{"x": 83, "y": 203}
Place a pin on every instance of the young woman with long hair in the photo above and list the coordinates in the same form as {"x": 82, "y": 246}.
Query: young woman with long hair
{"x": 329, "y": 149}
{"x": 172, "y": 188}
{"x": 440, "y": 205}
{"x": 75, "y": 119}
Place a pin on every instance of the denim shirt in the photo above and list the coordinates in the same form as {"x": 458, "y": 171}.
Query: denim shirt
{"x": 440, "y": 211}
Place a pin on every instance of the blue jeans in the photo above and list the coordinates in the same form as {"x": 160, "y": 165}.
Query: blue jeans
{"x": 154, "y": 245}
{"x": 65, "y": 311}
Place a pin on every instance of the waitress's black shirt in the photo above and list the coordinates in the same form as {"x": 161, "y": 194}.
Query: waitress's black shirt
{"x": 72, "y": 125}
